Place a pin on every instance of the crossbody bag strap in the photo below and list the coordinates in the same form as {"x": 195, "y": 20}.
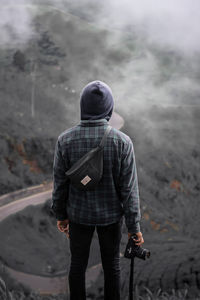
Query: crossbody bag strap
{"x": 102, "y": 143}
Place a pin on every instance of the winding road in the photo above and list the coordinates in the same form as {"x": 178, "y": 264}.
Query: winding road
{"x": 14, "y": 202}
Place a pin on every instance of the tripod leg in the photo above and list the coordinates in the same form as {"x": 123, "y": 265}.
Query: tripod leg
{"x": 131, "y": 279}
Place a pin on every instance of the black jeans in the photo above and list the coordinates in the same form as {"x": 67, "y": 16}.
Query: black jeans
{"x": 109, "y": 241}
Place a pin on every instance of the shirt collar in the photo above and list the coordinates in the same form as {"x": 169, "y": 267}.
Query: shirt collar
{"x": 93, "y": 122}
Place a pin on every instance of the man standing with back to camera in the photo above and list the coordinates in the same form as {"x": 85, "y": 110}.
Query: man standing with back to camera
{"x": 78, "y": 212}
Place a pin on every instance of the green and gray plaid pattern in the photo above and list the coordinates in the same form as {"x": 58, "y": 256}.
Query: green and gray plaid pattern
{"x": 117, "y": 193}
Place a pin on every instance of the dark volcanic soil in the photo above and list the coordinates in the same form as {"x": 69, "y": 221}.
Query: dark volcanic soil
{"x": 33, "y": 234}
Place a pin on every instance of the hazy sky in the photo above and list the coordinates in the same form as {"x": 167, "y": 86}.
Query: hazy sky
{"x": 175, "y": 23}
{"x": 171, "y": 23}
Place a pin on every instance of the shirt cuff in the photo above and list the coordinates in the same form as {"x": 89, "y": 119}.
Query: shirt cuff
{"x": 135, "y": 228}
{"x": 61, "y": 217}
{"x": 60, "y": 214}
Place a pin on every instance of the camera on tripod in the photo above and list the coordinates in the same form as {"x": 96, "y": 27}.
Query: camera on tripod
{"x": 133, "y": 250}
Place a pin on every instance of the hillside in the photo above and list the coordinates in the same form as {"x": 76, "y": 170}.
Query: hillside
{"x": 39, "y": 92}
{"x": 40, "y": 84}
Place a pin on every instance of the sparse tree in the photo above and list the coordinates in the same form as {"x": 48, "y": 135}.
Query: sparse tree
{"x": 19, "y": 60}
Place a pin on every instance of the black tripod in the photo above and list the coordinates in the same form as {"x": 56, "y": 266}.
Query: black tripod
{"x": 131, "y": 279}
{"x": 131, "y": 252}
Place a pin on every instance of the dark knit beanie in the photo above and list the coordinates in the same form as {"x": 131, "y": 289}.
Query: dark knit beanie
{"x": 96, "y": 101}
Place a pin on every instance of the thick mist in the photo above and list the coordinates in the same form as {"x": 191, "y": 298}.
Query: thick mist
{"x": 160, "y": 53}
{"x": 172, "y": 24}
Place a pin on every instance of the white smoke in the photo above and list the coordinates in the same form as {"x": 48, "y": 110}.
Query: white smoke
{"x": 15, "y": 24}
{"x": 171, "y": 26}
{"x": 174, "y": 23}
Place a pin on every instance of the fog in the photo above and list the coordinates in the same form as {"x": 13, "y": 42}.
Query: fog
{"x": 162, "y": 69}
{"x": 173, "y": 24}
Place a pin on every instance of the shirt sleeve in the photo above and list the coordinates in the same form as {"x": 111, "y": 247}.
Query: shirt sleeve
{"x": 60, "y": 185}
{"x": 128, "y": 187}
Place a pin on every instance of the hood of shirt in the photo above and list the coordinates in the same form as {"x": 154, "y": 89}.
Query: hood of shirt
{"x": 96, "y": 101}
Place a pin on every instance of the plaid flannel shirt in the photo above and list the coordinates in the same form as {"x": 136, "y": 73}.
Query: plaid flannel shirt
{"x": 117, "y": 193}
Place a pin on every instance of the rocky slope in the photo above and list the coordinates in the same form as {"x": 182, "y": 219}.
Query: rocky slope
{"x": 40, "y": 85}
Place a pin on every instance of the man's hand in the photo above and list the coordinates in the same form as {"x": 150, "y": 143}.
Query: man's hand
{"x": 139, "y": 241}
{"x": 63, "y": 226}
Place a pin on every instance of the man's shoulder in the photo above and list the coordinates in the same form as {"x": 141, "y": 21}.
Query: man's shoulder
{"x": 119, "y": 135}
{"x": 71, "y": 133}
{"x": 67, "y": 134}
